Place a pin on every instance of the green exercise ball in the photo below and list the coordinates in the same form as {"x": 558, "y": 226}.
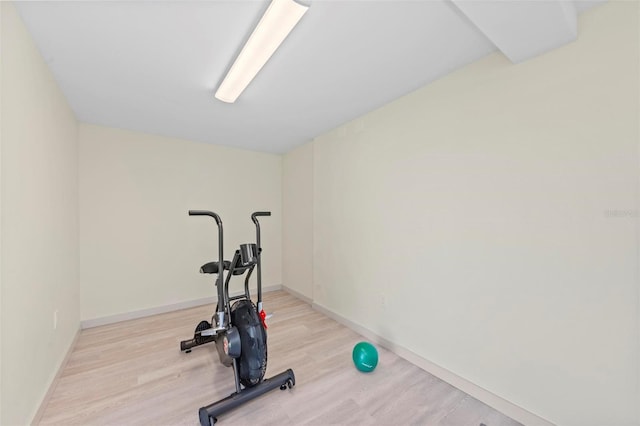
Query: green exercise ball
{"x": 365, "y": 357}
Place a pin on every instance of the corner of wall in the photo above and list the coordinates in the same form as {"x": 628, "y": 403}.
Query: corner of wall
{"x": 313, "y": 201}
{"x": 1, "y": 183}
{"x": 637, "y": 357}
{"x": 297, "y": 206}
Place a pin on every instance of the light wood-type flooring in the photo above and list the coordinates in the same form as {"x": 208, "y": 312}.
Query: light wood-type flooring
{"x": 133, "y": 373}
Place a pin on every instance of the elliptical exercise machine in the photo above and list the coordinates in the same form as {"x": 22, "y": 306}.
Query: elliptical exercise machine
{"x": 239, "y": 330}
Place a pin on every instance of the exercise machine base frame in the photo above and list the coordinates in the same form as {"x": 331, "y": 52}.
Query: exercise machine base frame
{"x": 208, "y": 415}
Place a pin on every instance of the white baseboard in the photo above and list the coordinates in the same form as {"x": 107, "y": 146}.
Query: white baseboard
{"x": 112, "y": 319}
{"x": 52, "y": 386}
{"x": 508, "y": 408}
{"x": 298, "y": 295}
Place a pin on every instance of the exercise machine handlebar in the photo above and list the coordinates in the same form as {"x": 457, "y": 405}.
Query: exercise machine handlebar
{"x": 255, "y": 215}
{"x": 254, "y": 218}
{"x": 221, "y": 295}
{"x": 206, "y": 213}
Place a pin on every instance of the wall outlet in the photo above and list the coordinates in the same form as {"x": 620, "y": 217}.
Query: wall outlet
{"x": 55, "y": 319}
{"x": 383, "y": 300}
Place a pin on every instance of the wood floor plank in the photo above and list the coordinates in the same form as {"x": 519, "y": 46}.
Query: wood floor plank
{"x": 133, "y": 373}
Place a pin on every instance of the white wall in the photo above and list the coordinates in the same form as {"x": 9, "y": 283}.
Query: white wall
{"x": 39, "y": 224}
{"x": 1, "y": 50}
{"x": 467, "y": 222}
{"x": 297, "y": 214}
{"x": 139, "y": 248}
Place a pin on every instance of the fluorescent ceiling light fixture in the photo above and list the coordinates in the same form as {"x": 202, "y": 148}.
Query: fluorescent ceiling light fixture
{"x": 274, "y": 26}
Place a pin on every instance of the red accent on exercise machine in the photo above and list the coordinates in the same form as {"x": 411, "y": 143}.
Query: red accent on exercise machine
{"x": 263, "y": 318}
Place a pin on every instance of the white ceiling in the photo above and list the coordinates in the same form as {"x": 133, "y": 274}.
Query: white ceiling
{"x": 153, "y": 66}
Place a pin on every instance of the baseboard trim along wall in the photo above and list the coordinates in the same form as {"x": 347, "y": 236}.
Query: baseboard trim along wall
{"x": 508, "y": 408}
{"x": 298, "y": 295}
{"x": 52, "y": 386}
{"x": 112, "y": 319}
